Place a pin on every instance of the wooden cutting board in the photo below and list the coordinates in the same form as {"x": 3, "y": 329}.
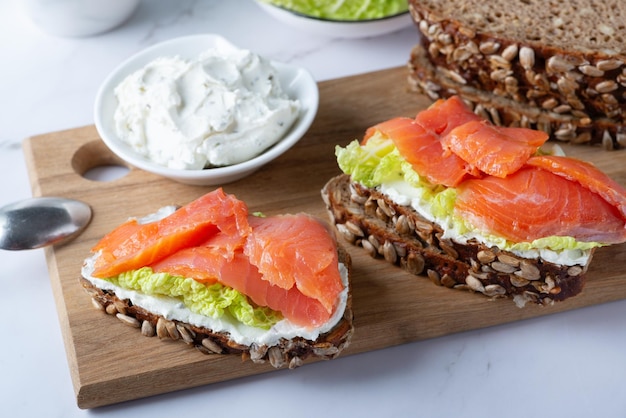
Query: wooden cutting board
{"x": 110, "y": 362}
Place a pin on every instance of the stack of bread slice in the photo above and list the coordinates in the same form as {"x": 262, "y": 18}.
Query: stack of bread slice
{"x": 558, "y": 66}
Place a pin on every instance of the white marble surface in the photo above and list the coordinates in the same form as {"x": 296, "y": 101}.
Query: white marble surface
{"x": 571, "y": 364}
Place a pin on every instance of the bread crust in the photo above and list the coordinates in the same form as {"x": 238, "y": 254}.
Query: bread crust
{"x": 526, "y": 81}
{"x": 365, "y": 217}
{"x": 287, "y": 353}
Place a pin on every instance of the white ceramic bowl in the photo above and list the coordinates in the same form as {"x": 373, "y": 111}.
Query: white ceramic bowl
{"x": 339, "y": 28}
{"x": 78, "y": 18}
{"x": 296, "y": 82}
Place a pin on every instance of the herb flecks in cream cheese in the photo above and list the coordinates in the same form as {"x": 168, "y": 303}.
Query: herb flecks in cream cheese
{"x": 225, "y": 107}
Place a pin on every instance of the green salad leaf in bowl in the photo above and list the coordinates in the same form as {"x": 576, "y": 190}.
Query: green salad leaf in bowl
{"x": 344, "y": 10}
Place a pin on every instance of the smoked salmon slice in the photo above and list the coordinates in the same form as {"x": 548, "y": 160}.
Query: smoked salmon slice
{"x": 211, "y": 264}
{"x": 587, "y": 175}
{"x": 444, "y": 115}
{"x": 419, "y": 141}
{"x": 534, "y": 203}
{"x": 296, "y": 251}
{"x": 422, "y": 149}
{"x": 118, "y": 236}
{"x": 495, "y": 150}
{"x": 133, "y": 245}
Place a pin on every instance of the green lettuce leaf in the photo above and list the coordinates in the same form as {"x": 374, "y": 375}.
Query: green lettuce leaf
{"x": 362, "y": 163}
{"x": 556, "y": 244}
{"x": 213, "y": 300}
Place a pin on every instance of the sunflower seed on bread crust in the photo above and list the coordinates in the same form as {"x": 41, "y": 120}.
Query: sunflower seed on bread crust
{"x": 473, "y": 266}
{"x": 287, "y": 353}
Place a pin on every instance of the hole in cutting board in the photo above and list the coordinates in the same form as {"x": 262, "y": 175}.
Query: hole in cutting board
{"x": 106, "y": 173}
{"x": 94, "y": 161}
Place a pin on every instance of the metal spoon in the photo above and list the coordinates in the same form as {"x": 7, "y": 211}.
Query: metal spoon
{"x": 40, "y": 221}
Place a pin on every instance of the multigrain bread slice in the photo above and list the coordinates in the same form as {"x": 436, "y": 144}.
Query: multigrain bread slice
{"x": 565, "y": 58}
{"x": 368, "y": 218}
{"x": 289, "y": 353}
{"x": 437, "y": 83}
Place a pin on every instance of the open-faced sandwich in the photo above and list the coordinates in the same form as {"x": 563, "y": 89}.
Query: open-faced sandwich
{"x": 226, "y": 281}
{"x": 475, "y": 206}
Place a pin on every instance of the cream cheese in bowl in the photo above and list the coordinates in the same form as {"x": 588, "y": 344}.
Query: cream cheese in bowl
{"x": 201, "y": 111}
{"x": 222, "y": 108}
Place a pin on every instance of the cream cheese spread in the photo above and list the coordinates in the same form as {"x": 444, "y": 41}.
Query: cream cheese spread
{"x": 225, "y": 107}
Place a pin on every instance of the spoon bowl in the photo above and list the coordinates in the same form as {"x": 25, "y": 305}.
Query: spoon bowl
{"x": 41, "y": 221}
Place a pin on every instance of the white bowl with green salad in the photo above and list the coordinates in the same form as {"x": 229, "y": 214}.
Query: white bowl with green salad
{"x": 341, "y": 18}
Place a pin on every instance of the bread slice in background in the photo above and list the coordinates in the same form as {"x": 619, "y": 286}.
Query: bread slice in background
{"x": 555, "y": 66}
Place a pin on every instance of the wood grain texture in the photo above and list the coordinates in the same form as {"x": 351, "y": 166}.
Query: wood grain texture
{"x": 108, "y": 360}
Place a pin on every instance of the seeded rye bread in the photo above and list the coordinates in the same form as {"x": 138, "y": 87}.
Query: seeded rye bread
{"x": 558, "y": 66}
{"x": 432, "y": 81}
{"x": 367, "y": 218}
{"x": 290, "y": 353}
